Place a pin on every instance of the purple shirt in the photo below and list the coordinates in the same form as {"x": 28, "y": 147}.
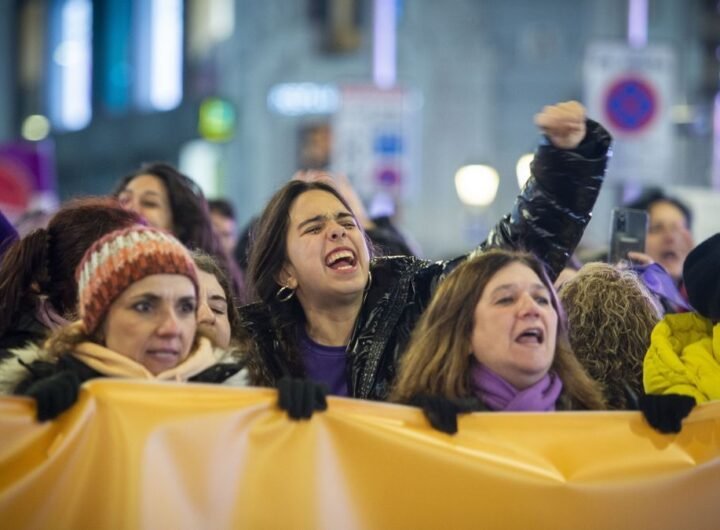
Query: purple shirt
{"x": 325, "y": 364}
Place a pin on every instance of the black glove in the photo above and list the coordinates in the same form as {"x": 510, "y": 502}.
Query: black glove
{"x": 666, "y": 412}
{"x": 441, "y": 412}
{"x": 54, "y": 394}
{"x": 301, "y": 397}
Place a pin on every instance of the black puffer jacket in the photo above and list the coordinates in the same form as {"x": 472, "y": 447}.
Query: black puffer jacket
{"x": 548, "y": 219}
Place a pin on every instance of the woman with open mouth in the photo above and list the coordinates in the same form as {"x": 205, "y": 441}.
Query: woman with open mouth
{"x": 327, "y": 310}
{"x": 494, "y": 338}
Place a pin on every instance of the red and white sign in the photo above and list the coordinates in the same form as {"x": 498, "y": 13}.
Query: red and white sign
{"x": 376, "y": 140}
{"x": 630, "y": 91}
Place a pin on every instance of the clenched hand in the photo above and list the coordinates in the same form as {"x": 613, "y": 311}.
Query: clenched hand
{"x": 563, "y": 123}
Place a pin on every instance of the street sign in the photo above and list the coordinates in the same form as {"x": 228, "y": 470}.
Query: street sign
{"x": 630, "y": 91}
{"x": 376, "y": 140}
{"x": 631, "y": 104}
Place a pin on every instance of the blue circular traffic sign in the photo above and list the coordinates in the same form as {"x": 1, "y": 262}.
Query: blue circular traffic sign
{"x": 630, "y": 104}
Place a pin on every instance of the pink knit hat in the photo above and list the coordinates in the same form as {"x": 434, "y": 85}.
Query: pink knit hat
{"x": 121, "y": 258}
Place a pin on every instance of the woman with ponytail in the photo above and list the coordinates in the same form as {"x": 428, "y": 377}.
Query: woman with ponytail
{"x": 138, "y": 299}
{"x": 38, "y": 291}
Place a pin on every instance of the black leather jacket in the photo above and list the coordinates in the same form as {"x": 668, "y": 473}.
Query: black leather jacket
{"x": 548, "y": 218}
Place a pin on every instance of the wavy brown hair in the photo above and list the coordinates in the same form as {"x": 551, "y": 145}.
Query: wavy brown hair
{"x": 438, "y": 357}
{"x": 611, "y": 315}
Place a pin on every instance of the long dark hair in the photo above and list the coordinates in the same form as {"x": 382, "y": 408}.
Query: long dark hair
{"x": 190, "y": 214}
{"x": 192, "y": 224}
{"x": 44, "y": 261}
{"x": 268, "y": 255}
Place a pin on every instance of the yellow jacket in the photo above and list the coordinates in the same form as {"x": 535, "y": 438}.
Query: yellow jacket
{"x": 684, "y": 358}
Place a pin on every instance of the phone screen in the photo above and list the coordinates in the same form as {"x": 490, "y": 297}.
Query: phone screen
{"x": 628, "y": 229}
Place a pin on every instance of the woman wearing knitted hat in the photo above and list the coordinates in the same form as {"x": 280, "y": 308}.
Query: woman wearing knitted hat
{"x": 681, "y": 368}
{"x": 493, "y": 338}
{"x": 138, "y": 292}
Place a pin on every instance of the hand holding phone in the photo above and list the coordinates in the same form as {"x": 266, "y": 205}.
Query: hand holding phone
{"x": 640, "y": 258}
{"x": 628, "y": 229}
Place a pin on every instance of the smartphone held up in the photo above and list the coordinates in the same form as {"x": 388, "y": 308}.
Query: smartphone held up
{"x": 628, "y": 229}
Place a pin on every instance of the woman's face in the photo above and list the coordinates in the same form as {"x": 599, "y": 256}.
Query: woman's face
{"x": 212, "y": 315}
{"x": 146, "y": 195}
{"x": 669, "y": 240}
{"x": 327, "y": 257}
{"x": 153, "y": 321}
{"x": 515, "y": 326}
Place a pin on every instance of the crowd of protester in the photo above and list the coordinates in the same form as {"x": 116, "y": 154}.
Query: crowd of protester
{"x": 315, "y": 297}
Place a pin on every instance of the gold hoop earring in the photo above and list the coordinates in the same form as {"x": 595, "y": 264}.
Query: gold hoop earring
{"x": 284, "y": 294}
{"x": 369, "y": 282}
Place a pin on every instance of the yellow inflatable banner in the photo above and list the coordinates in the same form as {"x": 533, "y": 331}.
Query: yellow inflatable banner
{"x": 138, "y": 455}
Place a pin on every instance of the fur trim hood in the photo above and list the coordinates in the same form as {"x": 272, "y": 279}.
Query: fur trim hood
{"x": 231, "y": 358}
{"x": 12, "y": 372}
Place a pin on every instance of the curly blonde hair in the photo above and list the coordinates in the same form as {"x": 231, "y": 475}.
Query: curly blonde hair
{"x": 610, "y": 315}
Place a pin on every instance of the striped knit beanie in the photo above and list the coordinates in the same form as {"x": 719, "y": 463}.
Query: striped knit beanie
{"x": 121, "y": 258}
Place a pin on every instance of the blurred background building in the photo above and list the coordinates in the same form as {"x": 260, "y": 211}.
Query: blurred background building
{"x": 398, "y": 94}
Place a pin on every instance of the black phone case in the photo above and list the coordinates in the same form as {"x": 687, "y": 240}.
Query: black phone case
{"x": 628, "y": 229}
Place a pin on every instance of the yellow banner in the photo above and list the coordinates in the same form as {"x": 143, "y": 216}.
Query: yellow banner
{"x": 154, "y": 456}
